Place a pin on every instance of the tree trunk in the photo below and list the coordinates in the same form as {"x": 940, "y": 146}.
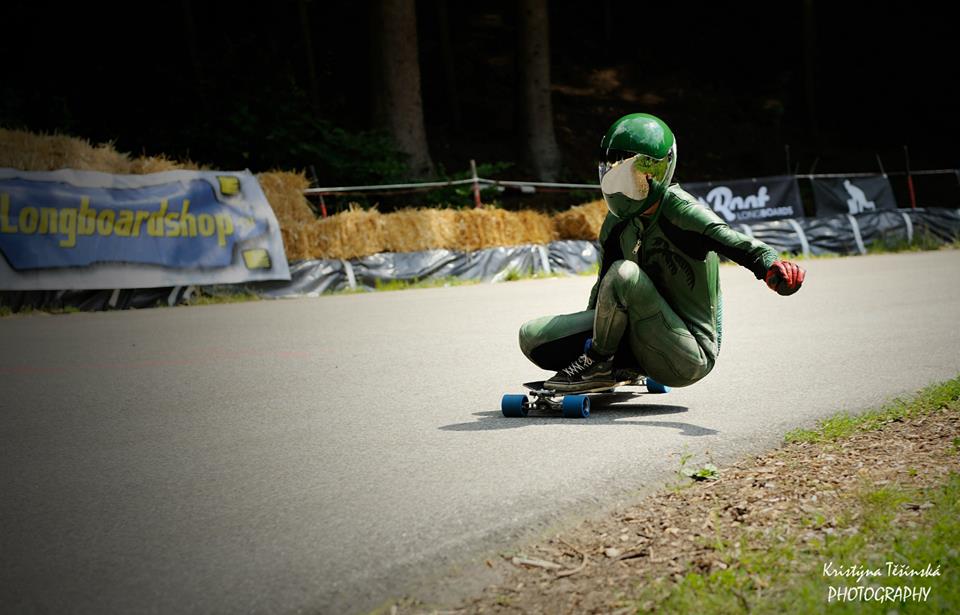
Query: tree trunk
{"x": 190, "y": 34}
{"x": 305, "y": 31}
{"x": 449, "y": 64}
{"x": 536, "y": 108}
{"x": 810, "y": 67}
{"x": 399, "y": 107}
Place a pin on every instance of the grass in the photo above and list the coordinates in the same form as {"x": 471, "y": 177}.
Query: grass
{"x": 845, "y": 424}
{"x": 788, "y": 577}
{"x": 783, "y": 575}
{"x": 425, "y": 283}
{"x": 512, "y": 275}
{"x": 922, "y": 242}
{"x": 6, "y": 310}
{"x": 199, "y": 298}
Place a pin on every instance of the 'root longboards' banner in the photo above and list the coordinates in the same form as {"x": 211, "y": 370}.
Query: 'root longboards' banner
{"x": 68, "y": 229}
{"x": 750, "y": 200}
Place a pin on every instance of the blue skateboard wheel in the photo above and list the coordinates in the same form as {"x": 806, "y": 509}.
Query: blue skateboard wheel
{"x": 514, "y": 405}
{"x": 655, "y": 387}
{"x": 576, "y": 407}
{"x": 587, "y": 345}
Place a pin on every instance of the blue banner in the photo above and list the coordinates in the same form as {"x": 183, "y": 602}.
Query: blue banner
{"x": 136, "y": 231}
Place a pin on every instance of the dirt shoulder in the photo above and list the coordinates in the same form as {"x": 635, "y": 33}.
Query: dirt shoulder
{"x": 866, "y": 502}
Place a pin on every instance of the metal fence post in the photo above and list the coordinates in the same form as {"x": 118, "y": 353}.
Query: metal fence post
{"x": 476, "y": 184}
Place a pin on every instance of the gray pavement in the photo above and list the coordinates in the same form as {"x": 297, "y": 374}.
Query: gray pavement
{"x": 325, "y": 455}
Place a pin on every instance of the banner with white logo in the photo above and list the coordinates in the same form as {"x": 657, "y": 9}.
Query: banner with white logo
{"x": 852, "y": 195}
{"x": 750, "y": 200}
{"x": 73, "y": 230}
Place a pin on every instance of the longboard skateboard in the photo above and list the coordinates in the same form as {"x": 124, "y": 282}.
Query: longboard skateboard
{"x": 571, "y": 405}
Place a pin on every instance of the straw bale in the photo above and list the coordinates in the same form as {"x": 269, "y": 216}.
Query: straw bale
{"x": 284, "y": 192}
{"x": 298, "y": 240}
{"x": 20, "y": 149}
{"x": 349, "y": 234}
{"x": 159, "y": 164}
{"x": 480, "y": 228}
{"x": 24, "y": 150}
{"x": 532, "y": 227}
{"x": 414, "y": 230}
{"x": 581, "y": 222}
{"x": 491, "y": 227}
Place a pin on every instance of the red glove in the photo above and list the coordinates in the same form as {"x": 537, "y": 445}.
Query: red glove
{"x": 785, "y": 277}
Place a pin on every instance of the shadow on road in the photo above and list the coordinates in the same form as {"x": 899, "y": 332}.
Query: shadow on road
{"x": 600, "y": 414}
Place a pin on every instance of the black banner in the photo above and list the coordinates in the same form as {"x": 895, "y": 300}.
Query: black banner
{"x": 852, "y": 195}
{"x": 750, "y": 200}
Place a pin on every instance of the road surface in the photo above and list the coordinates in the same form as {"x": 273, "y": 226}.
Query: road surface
{"x": 325, "y": 455}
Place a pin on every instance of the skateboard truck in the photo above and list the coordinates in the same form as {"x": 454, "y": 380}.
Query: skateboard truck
{"x": 572, "y": 406}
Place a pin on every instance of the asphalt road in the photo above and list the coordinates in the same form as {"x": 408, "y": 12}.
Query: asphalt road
{"x": 323, "y": 455}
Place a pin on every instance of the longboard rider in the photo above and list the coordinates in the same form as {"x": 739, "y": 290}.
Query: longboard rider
{"x": 656, "y": 308}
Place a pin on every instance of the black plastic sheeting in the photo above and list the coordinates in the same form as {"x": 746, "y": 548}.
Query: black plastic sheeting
{"x": 94, "y": 300}
{"x": 838, "y": 234}
{"x": 313, "y": 277}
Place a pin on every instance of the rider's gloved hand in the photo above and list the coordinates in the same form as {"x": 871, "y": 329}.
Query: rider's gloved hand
{"x": 785, "y": 277}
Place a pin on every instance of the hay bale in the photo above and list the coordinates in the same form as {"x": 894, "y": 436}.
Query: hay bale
{"x": 480, "y": 228}
{"x": 284, "y": 192}
{"x": 298, "y": 240}
{"x": 27, "y": 151}
{"x": 358, "y": 232}
{"x": 581, "y": 222}
{"x": 348, "y": 234}
{"x": 415, "y": 230}
{"x": 490, "y": 227}
{"x": 20, "y": 149}
{"x": 158, "y": 164}
{"x": 532, "y": 227}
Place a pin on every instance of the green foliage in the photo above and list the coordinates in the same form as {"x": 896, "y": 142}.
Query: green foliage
{"x": 282, "y": 130}
{"x": 707, "y": 471}
{"x": 842, "y": 425}
{"x": 462, "y": 196}
{"x": 449, "y": 196}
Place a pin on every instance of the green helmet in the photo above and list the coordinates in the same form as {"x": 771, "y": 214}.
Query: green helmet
{"x": 637, "y": 158}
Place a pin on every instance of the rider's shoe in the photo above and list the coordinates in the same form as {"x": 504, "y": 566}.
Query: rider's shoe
{"x": 583, "y": 374}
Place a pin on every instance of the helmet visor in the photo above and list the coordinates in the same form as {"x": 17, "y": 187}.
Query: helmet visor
{"x": 630, "y": 174}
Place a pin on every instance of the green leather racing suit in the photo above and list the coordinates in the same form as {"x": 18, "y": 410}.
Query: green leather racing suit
{"x": 656, "y": 305}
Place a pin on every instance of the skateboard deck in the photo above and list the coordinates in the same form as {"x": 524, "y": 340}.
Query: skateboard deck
{"x": 538, "y": 385}
{"x": 575, "y": 404}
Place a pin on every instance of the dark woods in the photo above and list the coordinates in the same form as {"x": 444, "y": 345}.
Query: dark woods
{"x": 373, "y": 91}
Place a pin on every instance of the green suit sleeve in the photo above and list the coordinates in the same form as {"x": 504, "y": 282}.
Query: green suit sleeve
{"x": 608, "y": 223}
{"x": 688, "y": 217}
